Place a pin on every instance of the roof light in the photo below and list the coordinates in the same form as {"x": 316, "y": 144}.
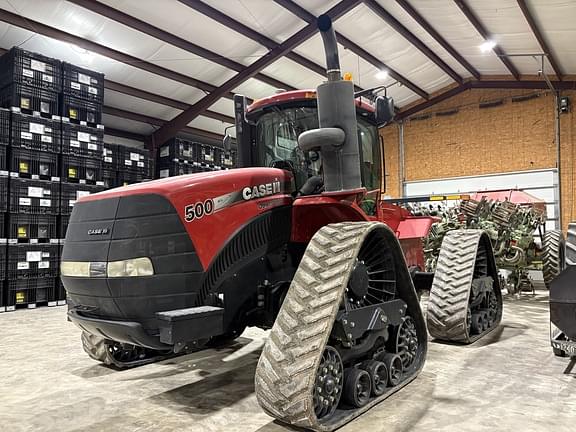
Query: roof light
{"x": 487, "y": 46}
{"x": 347, "y": 76}
{"x": 382, "y": 75}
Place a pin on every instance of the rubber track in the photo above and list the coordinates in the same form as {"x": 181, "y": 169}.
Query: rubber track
{"x": 571, "y": 244}
{"x": 551, "y": 265}
{"x": 286, "y": 371}
{"x": 97, "y": 349}
{"x": 450, "y": 293}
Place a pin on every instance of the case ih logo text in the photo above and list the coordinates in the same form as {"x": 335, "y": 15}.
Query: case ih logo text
{"x": 260, "y": 191}
{"x": 198, "y": 210}
{"x": 98, "y": 231}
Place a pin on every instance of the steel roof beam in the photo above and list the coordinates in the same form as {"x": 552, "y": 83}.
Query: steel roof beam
{"x": 155, "y": 32}
{"x": 473, "y": 19}
{"x": 407, "y": 34}
{"x": 153, "y": 97}
{"x": 153, "y": 121}
{"x": 437, "y": 37}
{"x": 170, "y": 129}
{"x": 540, "y": 37}
{"x": 306, "y": 16}
{"x": 496, "y": 84}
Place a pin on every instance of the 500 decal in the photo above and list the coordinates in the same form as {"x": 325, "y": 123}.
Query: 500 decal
{"x": 198, "y": 210}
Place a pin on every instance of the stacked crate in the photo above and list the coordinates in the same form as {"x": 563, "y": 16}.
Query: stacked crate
{"x": 181, "y": 156}
{"x": 31, "y": 85}
{"x": 134, "y": 165}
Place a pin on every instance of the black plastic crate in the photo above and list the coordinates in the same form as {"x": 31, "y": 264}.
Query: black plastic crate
{"x": 34, "y": 164}
{"x": 29, "y": 228}
{"x": 29, "y": 261}
{"x": 70, "y": 193}
{"x": 3, "y": 160}
{"x": 82, "y": 83}
{"x": 30, "y": 100}
{"x": 228, "y": 159}
{"x": 3, "y": 218}
{"x": 63, "y": 221}
{"x": 180, "y": 149}
{"x": 135, "y": 159}
{"x": 30, "y": 292}
{"x": 126, "y": 177}
{"x": 207, "y": 154}
{"x": 4, "y": 193}
{"x": 35, "y": 133}
{"x": 110, "y": 154}
{"x": 4, "y": 126}
{"x": 59, "y": 296}
{"x": 175, "y": 168}
{"x": 109, "y": 178}
{"x": 81, "y": 111}
{"x": 25, "y": 67}
{"x": 82, "y": 170}
{"x": 81, "y": 140}
{"x": 34, "y": 196}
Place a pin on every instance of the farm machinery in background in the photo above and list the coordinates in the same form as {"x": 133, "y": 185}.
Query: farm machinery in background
{"x": 515, "y": 222}
{"x": 297, "y": 240}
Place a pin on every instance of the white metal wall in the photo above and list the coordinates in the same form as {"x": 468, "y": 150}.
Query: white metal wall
{"x": 542, "y": 184}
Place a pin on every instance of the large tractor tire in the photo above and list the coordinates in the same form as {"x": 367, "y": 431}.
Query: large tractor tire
{"x": 119, "y": 355}
{"x": 465, "y": 301}
{"x": 571, "y": 244}
{"x": 553, "y": 256}
{"x": 335, "y": 350}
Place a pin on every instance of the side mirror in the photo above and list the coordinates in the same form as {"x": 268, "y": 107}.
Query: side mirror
{"x": 384, "y": 110}
{"x": 227, "y": 143}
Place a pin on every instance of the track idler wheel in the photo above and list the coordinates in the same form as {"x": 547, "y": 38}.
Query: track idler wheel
{"x": 357, "y": 387}
{"x": 329, "y": 380}
{"x": 379, "y": 374}
{"x": 395, "y": 368}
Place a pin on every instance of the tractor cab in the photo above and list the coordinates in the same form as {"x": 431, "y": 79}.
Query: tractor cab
{"x": 267, "y": 134}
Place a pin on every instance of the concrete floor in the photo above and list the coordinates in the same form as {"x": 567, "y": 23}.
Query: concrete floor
{"x": 508, "y": 381}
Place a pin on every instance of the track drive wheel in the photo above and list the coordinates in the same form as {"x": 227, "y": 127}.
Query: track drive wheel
{"x": 553, "y": 257}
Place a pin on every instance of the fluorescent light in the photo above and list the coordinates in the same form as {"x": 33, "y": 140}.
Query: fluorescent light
{"x": 487, "y": 46}
{"x": 382, "y": 75}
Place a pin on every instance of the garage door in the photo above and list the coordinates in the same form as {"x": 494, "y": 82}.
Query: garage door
{"x": 542, "y": 184}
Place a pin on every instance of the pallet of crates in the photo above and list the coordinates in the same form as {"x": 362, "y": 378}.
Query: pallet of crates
{"x": 208, "y": 157}
{"x": 134, "y": 165}
{"x": 3, "y": 239}
{"x": 228, "y": 159}
{"x": 32, "y": 250}
{"x": 30, "y": 83}
{"x": 177, "y": 157}
{"x": 82, "y": 149}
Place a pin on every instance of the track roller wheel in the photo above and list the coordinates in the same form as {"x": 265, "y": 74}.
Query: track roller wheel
{"x": 558, "y": 352}
{"x": 329, "y": 383}
{"x": 379, "y": 375}
{"x": 485, "y": 320}
{"x": 357, "y": 387}
{"x": 477, "y": 323}
{"x": 395, "y": 368}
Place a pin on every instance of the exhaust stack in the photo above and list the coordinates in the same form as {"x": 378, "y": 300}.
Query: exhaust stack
{"x": 337, "y": 136}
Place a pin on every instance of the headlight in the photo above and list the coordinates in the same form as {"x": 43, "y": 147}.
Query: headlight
{"x": 125, "y": 268}
{"x": 75, "y": 268}
{"x": 131, "y": 267}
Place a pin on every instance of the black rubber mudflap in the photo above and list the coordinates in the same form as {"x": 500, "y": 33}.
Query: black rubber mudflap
{"x": 286, "y": 372}
{"x": 447, "y": 312}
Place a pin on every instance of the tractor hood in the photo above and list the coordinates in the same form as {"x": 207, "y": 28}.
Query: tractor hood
{"x": 211, "y": 206}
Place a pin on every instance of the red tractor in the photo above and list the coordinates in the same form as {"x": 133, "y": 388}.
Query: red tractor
{"x": 296, "y": 240}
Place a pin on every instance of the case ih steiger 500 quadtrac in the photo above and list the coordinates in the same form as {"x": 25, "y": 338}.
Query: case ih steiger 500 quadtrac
{"x": 292, "y": 241}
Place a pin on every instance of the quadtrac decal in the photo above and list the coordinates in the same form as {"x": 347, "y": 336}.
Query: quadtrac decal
{"x": 205, "y": 208}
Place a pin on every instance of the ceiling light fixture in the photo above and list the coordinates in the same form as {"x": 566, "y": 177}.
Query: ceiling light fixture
{"x": 487, "y": 46}
{"x": 382, "y": 75}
